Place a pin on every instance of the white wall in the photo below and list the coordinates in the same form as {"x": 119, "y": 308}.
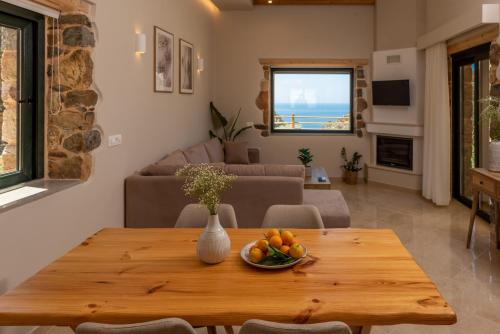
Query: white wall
{"x": 439, "y": 12}
{"x": 288, "y": 32}
{"x": 398, "y": 23}
{"x": 152, "y": 124}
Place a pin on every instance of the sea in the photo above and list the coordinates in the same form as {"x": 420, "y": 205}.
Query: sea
{"x": 285, "y": 110}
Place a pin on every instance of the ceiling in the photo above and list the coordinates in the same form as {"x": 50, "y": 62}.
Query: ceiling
{"x": 248, "y": 4}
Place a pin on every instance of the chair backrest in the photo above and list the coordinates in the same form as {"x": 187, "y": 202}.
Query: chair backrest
{"x": 293, "y": 216}
{"x": 196, "y": 215}
{"x": 164, "y": 326}
{"x": 266, "y": 327}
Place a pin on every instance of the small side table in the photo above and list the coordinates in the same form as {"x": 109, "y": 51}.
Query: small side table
{"x": 486, "y": 182}
{"x": 312, "y": 182}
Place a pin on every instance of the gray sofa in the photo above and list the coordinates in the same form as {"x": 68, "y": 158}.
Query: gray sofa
{"x": 154, "y": 198}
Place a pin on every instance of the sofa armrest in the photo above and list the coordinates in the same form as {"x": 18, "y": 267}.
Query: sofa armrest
{"x": 254, "y": 155}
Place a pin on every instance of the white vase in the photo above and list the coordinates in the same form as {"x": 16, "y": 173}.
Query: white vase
{"x": 214, "y": 244}
{"x": 494, "y": 156}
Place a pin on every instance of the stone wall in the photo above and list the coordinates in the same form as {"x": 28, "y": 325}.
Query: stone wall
{"x": 70, "y": 101}
{"x": 8, "y": 100}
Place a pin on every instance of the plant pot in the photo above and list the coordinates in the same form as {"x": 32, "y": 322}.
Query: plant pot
{"x": 214, "y": 244}
{"x": 350, "y": 177}
{"x": 308, "y": 171}
{"x": 494, "y": 156}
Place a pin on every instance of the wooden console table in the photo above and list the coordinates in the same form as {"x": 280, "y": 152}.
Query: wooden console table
{"x": 486, "y": 182}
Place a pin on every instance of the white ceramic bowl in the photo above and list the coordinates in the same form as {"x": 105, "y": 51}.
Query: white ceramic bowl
{"x": 246, "y": 249}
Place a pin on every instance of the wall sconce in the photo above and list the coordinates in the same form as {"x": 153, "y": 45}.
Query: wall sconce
{"x": 140, "y": 43}
{"x": 201, "y": 64}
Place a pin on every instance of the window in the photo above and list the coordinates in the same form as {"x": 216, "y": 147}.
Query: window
{"x": 22, "y": 42}
{"x": 317, "y": 100}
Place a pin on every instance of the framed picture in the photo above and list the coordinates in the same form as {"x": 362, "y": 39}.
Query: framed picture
{"x": 186, "y": 65}
{"x": 164, "y": 61}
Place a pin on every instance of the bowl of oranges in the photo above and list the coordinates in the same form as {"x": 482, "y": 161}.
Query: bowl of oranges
{"x": 277, "y": 250}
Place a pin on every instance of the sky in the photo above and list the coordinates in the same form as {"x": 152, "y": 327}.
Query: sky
{"x": 311, "y": 88}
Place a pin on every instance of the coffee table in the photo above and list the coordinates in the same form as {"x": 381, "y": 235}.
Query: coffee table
{"x": 312, "y": 182}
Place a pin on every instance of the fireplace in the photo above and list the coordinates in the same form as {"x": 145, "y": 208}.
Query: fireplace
{"x": 395, "y": 152}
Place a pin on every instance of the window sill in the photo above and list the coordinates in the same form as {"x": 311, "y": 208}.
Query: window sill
{"x": 51, "y": 187}
{"x": 313, "y": 134}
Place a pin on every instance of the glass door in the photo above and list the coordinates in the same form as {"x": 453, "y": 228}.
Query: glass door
{"x": 470, "y": 83}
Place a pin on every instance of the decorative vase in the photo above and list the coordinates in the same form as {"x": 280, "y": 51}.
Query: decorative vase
{"x": 308, "y": 171}
{"x": 494, "y": 156}
{"x": 213, "y": 244}
{"x": 350, "y": 177}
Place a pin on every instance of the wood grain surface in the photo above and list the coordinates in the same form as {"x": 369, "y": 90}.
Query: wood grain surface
{"x": 361, "y": 277}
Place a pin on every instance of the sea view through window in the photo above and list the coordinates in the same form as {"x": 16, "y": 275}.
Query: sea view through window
{"x": 312, "y": 100}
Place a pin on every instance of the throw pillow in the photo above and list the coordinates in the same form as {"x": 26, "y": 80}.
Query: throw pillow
{"x": 197, "y": 154}
{"x": 236, "y": 153}
{"x": 174, "y": 158}
{"x": 215, "y": 150}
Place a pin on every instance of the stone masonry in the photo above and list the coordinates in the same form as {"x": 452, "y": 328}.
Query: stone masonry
{"x": 71, "y": 130}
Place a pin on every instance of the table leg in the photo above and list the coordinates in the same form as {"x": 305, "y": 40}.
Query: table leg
{"x": 229, "y": 329}
{"x": 475, "y": 206}
{"x": 496, "y": 228}
{"x": 211, "y": 330}
{"x": 366, "y": 329}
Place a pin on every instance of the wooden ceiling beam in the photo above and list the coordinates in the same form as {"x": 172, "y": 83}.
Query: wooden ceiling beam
{"x": 315, "y": 2}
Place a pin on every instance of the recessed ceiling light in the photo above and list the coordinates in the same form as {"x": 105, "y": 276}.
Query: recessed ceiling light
{"x": 269, "y": 1}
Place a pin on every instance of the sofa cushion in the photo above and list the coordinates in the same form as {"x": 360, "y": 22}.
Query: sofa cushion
{"x": 331, "y": 205}
{"x": 236, "y": 153}
{"x": 169, "y": 170}
{"x": 215, "y": 150}
{"x": 197, "y": 154}
{"x": 245, "y": 170}
{"x": 285, "y": 170}
{"x": 174, "y": 158}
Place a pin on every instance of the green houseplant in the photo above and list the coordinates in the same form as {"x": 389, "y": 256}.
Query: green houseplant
{"x": 224, "y": 129}
{"x": 305, "y": 156}
{"x": 491, "y": 114}
{"x": 350, "y": 167}
{"x": 206, "y": 184}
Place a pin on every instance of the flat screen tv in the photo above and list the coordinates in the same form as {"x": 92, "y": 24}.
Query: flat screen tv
{"x": 391, "y": 93}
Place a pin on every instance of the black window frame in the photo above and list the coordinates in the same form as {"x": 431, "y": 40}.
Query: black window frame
{"x": 312, "y": 70}
{"x": 30, "y": 95}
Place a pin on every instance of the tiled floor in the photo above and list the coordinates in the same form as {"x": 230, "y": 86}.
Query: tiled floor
{"x": 468, "y": 279}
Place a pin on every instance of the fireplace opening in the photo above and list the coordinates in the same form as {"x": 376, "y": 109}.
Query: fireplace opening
{"x": 395, "y": 152}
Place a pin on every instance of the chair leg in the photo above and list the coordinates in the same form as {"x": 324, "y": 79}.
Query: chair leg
{"x": 229, "y": 329}
{"x": 475, "y": 206}
{"x": 211, "y": 330}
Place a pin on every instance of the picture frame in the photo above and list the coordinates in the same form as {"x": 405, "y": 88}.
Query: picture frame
{"x": 186, "y": 67}
{"x": 163, "y": 61}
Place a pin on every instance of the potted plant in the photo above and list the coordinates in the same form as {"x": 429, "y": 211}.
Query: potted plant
{"x": 492, "y": 114}
{"x": 351, "y": 167}
{"x": 225, "y": 130}
{"x": 206, "y": 184}
{"x": 306, "y": 158}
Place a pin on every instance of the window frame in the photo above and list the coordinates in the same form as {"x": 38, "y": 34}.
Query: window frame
{"x": 313, "y": 70}
{"x": 31, "y": 115}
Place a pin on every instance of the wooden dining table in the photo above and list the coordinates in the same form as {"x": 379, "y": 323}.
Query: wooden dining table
{"x": 363, "y": 277}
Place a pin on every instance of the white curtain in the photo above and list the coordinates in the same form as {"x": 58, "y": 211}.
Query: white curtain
{"x": 437, "y": 124}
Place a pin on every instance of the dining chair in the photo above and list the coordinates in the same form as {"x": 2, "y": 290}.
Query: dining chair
{"x": 293, "y": 216}
{"x": 164, "y": 326}
{"x": 196, "y": 215}
{"x": 267, "y": 327}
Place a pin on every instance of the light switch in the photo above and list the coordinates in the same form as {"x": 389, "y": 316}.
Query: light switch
{"x": 114, "y": 140}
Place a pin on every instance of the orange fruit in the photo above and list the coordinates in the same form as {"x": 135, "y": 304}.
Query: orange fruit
{"x": 287, "y": 238}
{"x": 276, "y": 241}
{"x": 296, "y": 251}
{"x": 255, "y": 255}
{"x": 262, "y": 245}
{"x": 271, "y": 233}
{"x": 284, "y": 249}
